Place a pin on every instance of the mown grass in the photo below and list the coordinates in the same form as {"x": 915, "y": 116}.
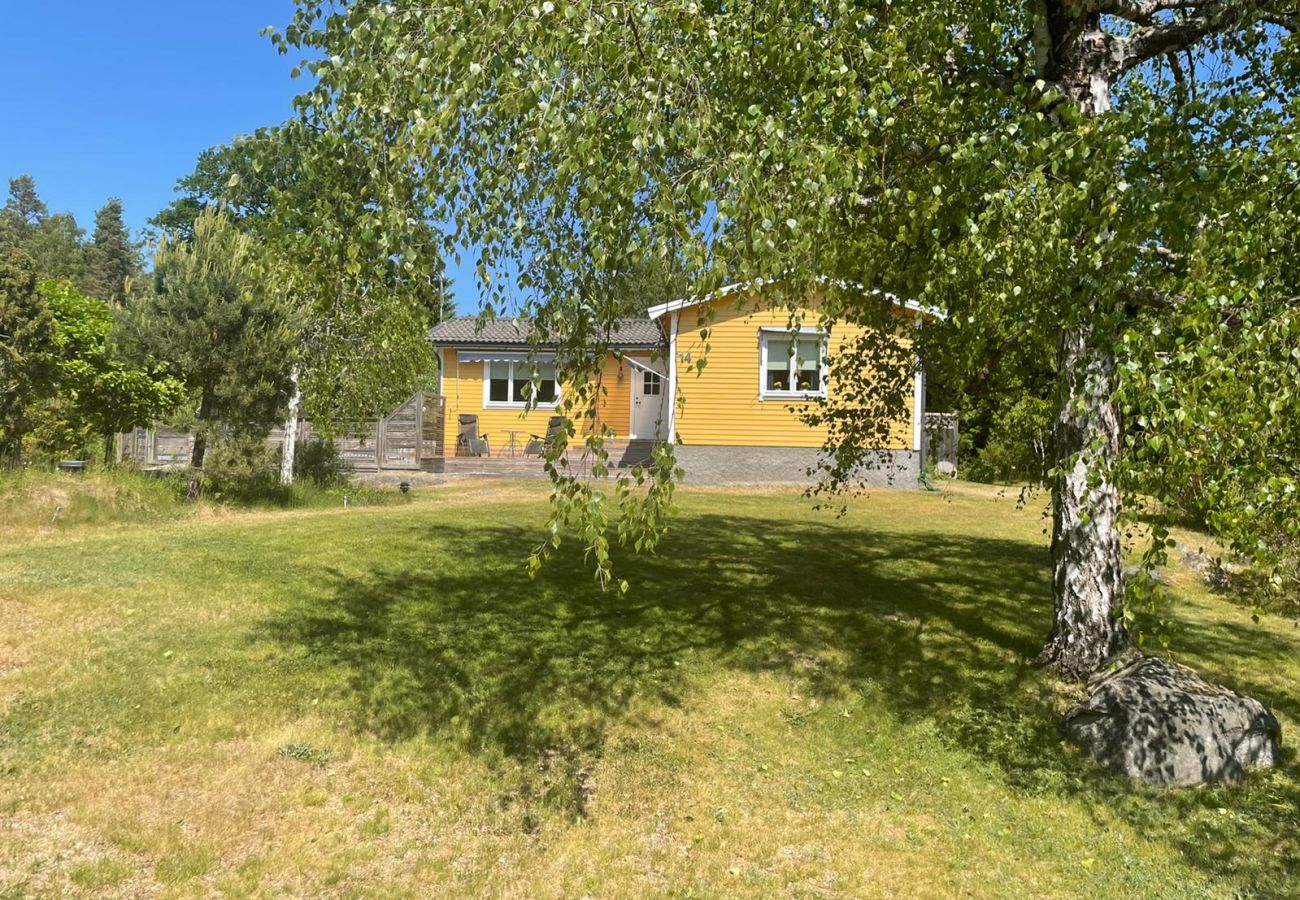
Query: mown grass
{"x": 378, "y": 702}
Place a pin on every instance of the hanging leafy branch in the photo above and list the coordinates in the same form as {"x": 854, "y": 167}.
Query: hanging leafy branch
{"x": 1010, "y": 163}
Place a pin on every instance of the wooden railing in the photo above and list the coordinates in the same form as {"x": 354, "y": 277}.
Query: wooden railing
{"x": 410, "y": 438}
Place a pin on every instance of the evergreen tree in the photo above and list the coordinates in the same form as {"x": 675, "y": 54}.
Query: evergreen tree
{"x": 26, "y": 333}
{"x": 23, "y": 212}
{"x": 55, "y": 243}
{"x": 59, "y": 249}
{"x": 114, "y": 259}
{"x": 210, "y": 317}
{"x": 24, "y": 203}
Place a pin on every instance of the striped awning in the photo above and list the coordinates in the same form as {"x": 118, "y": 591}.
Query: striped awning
{"x": 502, "y": 356}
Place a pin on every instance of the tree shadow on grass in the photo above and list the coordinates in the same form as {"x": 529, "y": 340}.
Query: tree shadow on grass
{"x": 935, "y": 625}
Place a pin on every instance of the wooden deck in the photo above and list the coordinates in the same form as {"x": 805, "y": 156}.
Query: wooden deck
{"x": 623, "y": 454}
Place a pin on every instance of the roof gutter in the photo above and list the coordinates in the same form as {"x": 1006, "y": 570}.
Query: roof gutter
{"x": 661, "y": 309}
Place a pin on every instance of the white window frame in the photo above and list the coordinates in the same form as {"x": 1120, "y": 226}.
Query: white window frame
{"x": 767, "y": 334}
{"x": 659, "y": 380}
{"x": 489, "y": 403}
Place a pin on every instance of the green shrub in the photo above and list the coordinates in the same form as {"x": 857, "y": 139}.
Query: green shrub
{"x": 319, "y": 461}
{"x": 243, "y": 469}
{"x": 1017, "y": 447}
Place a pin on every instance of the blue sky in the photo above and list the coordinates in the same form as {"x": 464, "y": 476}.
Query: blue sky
{"x": 117, "y": 99}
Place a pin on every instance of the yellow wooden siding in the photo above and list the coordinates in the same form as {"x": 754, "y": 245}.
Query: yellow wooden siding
{"x": 462, "y": 388}
{"x": 616, "y": 402}
{"x": 721, "y": 407}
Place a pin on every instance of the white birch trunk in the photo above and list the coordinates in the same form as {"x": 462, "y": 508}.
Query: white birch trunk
{"x": 290, "y": 445}
{"x": 1087, "y": 566}
{"x": 1087, "y": 572}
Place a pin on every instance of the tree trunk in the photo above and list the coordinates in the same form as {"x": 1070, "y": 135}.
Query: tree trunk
{"x": 1075, "y": 53}
{"x": 290, "y": 444}
{"x": 201, "y": 433}
{"x": 1088, "y": 575}
{"x": 200, "y": 448}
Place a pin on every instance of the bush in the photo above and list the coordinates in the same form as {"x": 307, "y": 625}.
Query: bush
{"x": 318, "y": 461}
{"x": 243, "y": 469}
{"x": 1017, "y": 445}
{"x": 57, "y": 433}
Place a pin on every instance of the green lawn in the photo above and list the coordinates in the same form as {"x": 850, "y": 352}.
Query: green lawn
{"x": 378, "y": 702}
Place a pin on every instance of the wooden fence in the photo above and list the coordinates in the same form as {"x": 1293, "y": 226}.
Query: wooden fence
{"x": 410, "y": 438}
{"x": 941, "y": 437}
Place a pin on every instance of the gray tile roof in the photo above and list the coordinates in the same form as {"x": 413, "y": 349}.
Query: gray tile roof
{"x": 470, "y": 330}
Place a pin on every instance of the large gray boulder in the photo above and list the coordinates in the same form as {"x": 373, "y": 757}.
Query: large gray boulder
{"x": 1161, "y": 723}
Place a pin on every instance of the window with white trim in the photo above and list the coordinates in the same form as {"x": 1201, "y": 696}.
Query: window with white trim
{"x": 510, "y": 383}
{"x": 793, "y": 364}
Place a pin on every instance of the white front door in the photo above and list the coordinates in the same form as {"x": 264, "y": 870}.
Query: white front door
{"x": 649, "y": 393}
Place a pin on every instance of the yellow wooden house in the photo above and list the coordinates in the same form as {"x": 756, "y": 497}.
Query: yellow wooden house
{"x": 736, "y": 421}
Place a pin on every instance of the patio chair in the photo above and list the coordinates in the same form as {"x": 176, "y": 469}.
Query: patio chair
{"x": 541, "y": 444}
{"x": 468, "y": 441}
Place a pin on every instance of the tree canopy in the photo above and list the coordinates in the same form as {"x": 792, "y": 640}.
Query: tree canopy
{"x": 57, "y": 245}
{"x": 93, "y": 392}
{"x": 362, "y": 348}
{"x": 26, "y": 370}
{"x": 1087, "y": 176}
{"x": 231, "y": 176}
{"x": 210, "y": 317}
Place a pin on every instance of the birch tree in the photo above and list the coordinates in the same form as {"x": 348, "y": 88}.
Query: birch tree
{"x": 1066, "y": 166}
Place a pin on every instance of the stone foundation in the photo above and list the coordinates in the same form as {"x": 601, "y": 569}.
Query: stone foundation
{"x": 785, "y": 465}
{"x": 706, "y": 465}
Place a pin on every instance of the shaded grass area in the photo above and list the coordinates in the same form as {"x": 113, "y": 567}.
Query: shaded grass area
{"x": 784, "y": 703}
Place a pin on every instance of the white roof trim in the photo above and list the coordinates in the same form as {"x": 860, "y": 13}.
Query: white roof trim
{"x": 655, "y": 312}
{"x": 637, "y": 364}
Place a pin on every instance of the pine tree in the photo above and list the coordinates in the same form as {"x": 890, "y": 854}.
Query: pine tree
{"x": 23, "y": 212}
{"x": 210, "y": 316}
{"x": 26, "y": 369}
{"x": 114, "y": 260}
{"x": 24, "y": 203}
